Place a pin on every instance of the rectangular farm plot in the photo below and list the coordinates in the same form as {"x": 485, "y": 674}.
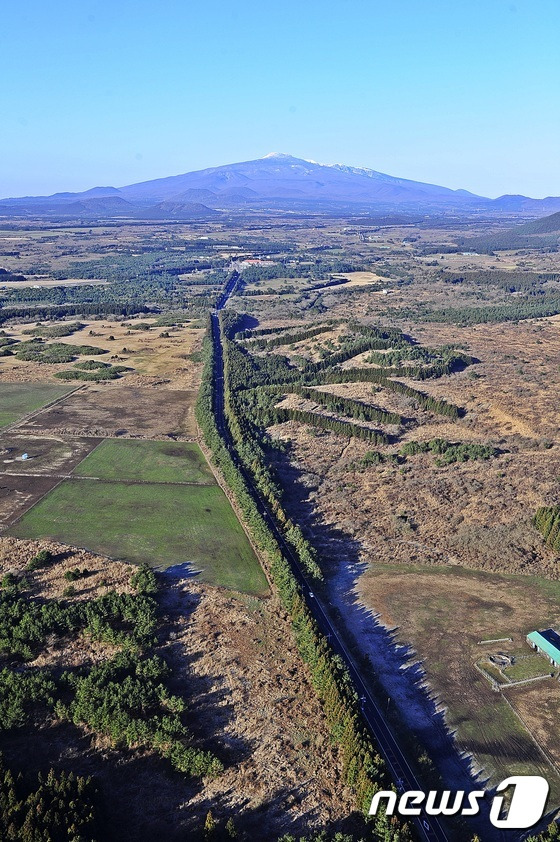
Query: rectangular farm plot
{"x": 113, "y": 409}
{"x": 147, "y": 461}
{"x": 161, "y": 525}
{"x": 42, "y": 455}
{"x": 19, "y": 399}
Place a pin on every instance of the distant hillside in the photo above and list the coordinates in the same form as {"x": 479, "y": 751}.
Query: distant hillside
{"x": 523, "y": 204}
{"x": 542, "y": 233}
{"x": 96, "y": 206}
{"x": 177, "y": 210}
{"x": 546, "y": 225}
{"x": 280, "y": 181}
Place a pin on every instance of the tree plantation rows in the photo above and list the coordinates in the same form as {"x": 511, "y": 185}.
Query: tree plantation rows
{"x": 364, "y": 769}
{"x": 536, "y": 307}
{"x": 247, "y": 370}
{"x": 347, "y": 406}
{"x": 342, "y": 428}
{"x": 510, "y": 280}
{"x": 256, "y": 382}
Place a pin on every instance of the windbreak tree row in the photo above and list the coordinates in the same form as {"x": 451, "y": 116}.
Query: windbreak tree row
{"x": 364, "y": 769}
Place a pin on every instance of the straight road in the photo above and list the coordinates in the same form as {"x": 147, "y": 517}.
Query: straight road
{"x": 429, "y": 827}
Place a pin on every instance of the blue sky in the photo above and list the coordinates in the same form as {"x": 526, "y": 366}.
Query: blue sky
{"x": 463, "y": 93}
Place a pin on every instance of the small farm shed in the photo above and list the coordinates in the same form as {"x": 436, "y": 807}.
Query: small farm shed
{"x": 546, "y": 642}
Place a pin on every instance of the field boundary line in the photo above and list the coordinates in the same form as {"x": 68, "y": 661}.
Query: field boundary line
{"x": 29, "y": 417}
{"x": 122, "y": 481}
{"x": 31, "y": 505}
{"x": 223, "y": 485}
{"x": 543, "y": 751}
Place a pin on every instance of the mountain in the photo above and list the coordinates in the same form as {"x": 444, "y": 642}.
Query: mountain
{"x": 277, "y": 181}
{"x": 541, "y": 233}
{"x": 177, "y": 210}
{"x": 523, "y": 204}
{"x": 545, "y": 225}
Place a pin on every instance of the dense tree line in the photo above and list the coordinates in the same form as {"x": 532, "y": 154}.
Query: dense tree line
{"x": 376, "y": 375}
{"x": 325, "y": 422}
{"x": 296, "y": 336}
{"x": 127, "y": 266}
{"x": 446, "y": 354}
{"x": 537, "y": 307}
{"x": 506, "y": 241}
{"x": 256, "y": 332}
{"x": 11, "y": 277}
{"x": 137, "y": 294}
{"x": 56, "y": 807}
{"x": 108, "y": 308}
{"x": 335, "y": 282}
{"x": 508, "y": 280}
{"x": 269, "y": 272}
{"x": 449, "y": 452}
{"x": 259, "y": 403}
{"x": 427, "y": 402}
{"x": 348, "y": 406}
{"x": 248, "y": 371}
{"x": 547, "y": 521}
{"x": 364, "y": 769}
{"x": 249, "y": 438}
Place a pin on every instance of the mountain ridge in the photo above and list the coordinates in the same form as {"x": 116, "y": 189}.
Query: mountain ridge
{"x": 277, "y": 181}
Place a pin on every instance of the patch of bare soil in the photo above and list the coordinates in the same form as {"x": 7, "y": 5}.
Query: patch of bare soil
{"x": 150, "y": 409}
{"x": 46, "y": 455}
{"x": 19, "y": 493}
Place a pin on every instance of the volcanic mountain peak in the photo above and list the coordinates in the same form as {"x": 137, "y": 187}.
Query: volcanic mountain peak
{"x": 282, "y": 181}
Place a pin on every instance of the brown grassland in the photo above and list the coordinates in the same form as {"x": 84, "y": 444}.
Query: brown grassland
{"x": 249, "y": 700}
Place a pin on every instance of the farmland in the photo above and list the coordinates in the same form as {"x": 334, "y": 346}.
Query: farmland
{"x": 154, "y": 461}
{"x": 163, "y": 525}
{"x": 19, "y": 399}
{"x": 397, "y": 405}
{"x": 116, "y": 409}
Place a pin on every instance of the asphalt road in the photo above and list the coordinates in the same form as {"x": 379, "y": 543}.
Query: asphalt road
{"x": 429, "y": 828}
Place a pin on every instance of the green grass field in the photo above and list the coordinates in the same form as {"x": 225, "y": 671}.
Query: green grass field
{"x": 150, "y": 461}
{"x": 529, "y": 666}
{"x": 162, "y": 525}
{"x": 19, "y": 399}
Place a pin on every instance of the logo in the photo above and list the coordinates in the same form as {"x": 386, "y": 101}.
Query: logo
{"x": 526, "y": 806}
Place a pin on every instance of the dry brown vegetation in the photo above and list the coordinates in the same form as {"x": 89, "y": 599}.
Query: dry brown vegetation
{"x": 249, "y": 699}
{"x": 449, "y": 553}
{"x": 457, "y": 610}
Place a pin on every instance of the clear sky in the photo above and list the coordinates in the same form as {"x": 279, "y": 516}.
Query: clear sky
{"x": 463, "y": 93}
